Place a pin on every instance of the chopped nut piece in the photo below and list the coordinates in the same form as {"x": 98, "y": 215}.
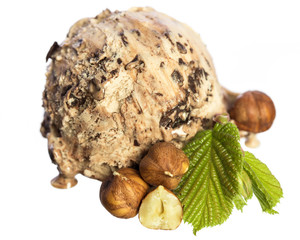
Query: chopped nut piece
{"x": 161, "y": 209}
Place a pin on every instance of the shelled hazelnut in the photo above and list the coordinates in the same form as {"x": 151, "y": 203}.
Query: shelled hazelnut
{"x": 161, "y": 209}
{"x": 123, "y": 192}
{"x": 164, "y": 165}
{"x": 253, "y": 111}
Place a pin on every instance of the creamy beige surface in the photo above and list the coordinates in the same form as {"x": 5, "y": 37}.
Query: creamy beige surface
{"x": 119, "y": 83}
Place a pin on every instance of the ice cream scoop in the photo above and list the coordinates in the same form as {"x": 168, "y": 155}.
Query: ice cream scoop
{"x": 119, "y": 83}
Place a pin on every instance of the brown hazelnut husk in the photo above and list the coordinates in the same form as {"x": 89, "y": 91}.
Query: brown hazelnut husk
{"x": 123, "y": 192}
{"x": 253, "y": 111}
{"x": 164, "y": 165}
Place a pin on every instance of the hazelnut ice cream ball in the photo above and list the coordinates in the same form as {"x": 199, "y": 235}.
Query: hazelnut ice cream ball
{"x": 119, "y": 83}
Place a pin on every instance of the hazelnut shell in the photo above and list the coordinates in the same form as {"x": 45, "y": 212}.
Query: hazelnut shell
{"x": 253, "y": 111}
{"x": 164, "y": 165}
{"x": 123, "y": 192}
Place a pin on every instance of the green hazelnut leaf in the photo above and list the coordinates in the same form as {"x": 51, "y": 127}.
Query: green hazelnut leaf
{"x": 245, "y": 191}
{"x": 210, "y": 188}
{"x": 239, "y": 202}
{"x": 265, "y": 186}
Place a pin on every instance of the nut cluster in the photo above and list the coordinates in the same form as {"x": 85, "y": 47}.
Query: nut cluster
{"x": 123, "y": 193}
{"x": 126, "y": 192}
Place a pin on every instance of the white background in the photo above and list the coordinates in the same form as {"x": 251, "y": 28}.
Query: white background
{"x": 254, "y": 45}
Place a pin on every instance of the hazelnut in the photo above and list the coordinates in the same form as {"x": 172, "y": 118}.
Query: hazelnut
{"x": 164, "y": 165}
{"x": 161, "y": 209}
{"x": 123, "y": 192}
{"x": 253, "y": 111}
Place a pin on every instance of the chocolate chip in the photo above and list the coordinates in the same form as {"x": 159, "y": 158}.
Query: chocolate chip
{"x": 113, "y": 72}
{"x": 177, "y": 112}
{"x": 65, "y": 89}
{"x": 137, "y": 32}
{"x": 167, "y": 35}
{"x": 162, "y": 64}
{"x": 204, "y": 73}
{"x": 198, "y": 75}
{"x": 140, "y": 66}
{"x": 177, "y": 77}
{"x": 102, "y": 64}
{"x": 132, "y": 61}
{"x": 97, "y": 135}
{"x": 103, "y": 79}
{"x": 136, "y": 63}
{"x": 195, "y": 78}
{"x": 181, "y": 62}
{"x": 136, "y": 143}
{"x": 178, "y": 122}
{"x": 191, "y": 82}
{"x": 207, "y": 62}
{"x": 52, "y": 50}
{"x": 181, "y": 48}
{"x": 199, "y": 72}
{"x": 165, "y": 121}
{"x": 119, "y": 60}
{"x": 124, "y": 39}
